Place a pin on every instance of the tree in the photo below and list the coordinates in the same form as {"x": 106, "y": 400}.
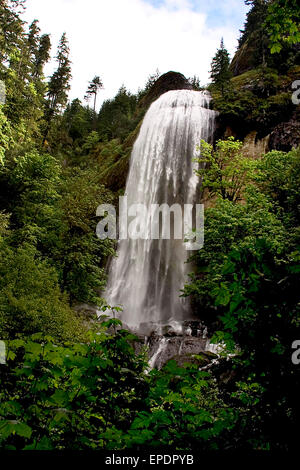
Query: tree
{"x": 220, "y": 72}
{"x": 41, "y": 54}
{"x": 283, "y": 23}
{"x": 11, "y": 27}
{"x": 151, "y": 80}
{"x": 31, "y": 298}
{"x": 59, "y": 84}
{"x": 223, "y": 171}
{"x": 94, "y": 86}
{"x": 117, "y": 117}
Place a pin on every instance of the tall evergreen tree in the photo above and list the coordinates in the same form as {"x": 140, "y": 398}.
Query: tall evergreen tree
{"x": 94, "y": 86}
{"x": 33, "y": 37}
{"x": 59, "y": 83}
{"x": 220, "y": 72}
{"x": 42, "y": 54}
{"x": 11, "y": 28}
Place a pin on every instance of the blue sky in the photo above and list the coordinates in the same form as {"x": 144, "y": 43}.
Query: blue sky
{"x": 124, "y": 41}
{"x": 218, "y": 12}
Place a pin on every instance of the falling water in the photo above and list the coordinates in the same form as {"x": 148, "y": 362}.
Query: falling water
{"x": 147, "y": 276}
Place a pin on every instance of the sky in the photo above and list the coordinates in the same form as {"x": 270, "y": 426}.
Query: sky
{"x": 125, "y": 41}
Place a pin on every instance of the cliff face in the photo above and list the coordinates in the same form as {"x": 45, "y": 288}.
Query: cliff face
{"x": 259, "y": 102}
{"x": 286, "y": 135}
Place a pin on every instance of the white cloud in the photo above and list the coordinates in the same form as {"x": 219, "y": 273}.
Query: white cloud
{"x": 124, "y": 41}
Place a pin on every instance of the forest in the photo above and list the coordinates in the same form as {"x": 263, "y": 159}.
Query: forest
{"x": 73, "y": 381}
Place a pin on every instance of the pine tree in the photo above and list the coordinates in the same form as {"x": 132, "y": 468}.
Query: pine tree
{"x": 34, "y": 37}
{"x": 220, "y": 72}
{"x": 42, "y": 54}
{"x": 94, "y": 86}
{"x": 11, "y": 28}
{"x": 59, "y": 84}
{"x": 39, "y": 47}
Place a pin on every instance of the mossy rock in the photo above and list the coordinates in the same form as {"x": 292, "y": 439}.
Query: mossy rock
{"x": 257, "y": 100}
{"x": 201, "y": 360}
{"x": 115, "y": 176}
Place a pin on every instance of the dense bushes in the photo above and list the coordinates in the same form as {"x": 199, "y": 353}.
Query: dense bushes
{"x": 258, "y": 99}
{"x": 30, "y": 297}
{"x": 97, "y": 395}
{"x": 245, "y": 287}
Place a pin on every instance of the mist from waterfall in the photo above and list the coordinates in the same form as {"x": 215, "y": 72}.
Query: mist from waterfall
{"x": 147, "y": 276}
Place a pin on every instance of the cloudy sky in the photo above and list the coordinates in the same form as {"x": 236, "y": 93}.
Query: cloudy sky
{"x": 124, "y": 41}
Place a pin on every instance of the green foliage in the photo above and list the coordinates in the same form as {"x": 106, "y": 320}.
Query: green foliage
{"x": 245, "y": 286}
{"x": 223, "y": 171}
{"x": 77, "y": 384}
{"x": 117, "y": 116}
{"x": 68, "y": 396}
{"x": 30, "y": 298}
{"x": 283, "y": 23}
{"x": 32, "y": 183}
{"x": 59, "y": 83}
{"x": 257, "y": 99}
{"x": 184, "y": 412}
{"x": 5, "y": 135}
{"x": 261, "y": 314}
{"x": 96, "y": 395}
{"x": 271, "y": 26}
{"x": 81, "y": 256}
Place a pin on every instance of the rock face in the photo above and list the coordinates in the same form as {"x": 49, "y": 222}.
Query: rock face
{"x": 285, "y": 136}
{"x": 254, "y": 147}
{"x": 191, "y": 346}
{"x": 241, "y": 61}
{"x": 168, "y": 81}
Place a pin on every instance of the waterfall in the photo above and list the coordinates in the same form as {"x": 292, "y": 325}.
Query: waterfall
{"x": 147, "y": 276}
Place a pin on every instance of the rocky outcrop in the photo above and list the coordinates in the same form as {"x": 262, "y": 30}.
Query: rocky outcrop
{"x": 285, "y": 136}
{"x": 167, "y": 82}
{"x": 191, "y": 345}
{"x": 243, "y": 59}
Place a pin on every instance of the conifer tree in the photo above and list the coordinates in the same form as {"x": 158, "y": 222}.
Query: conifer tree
{"x": 11, "y": 27}
{"x": 59, "y": 83}
{"x": 33, "y": 37}
{"x": 42, "y": 54}
{"x": 220, "y": 72}
{"x": 94, "y": 86}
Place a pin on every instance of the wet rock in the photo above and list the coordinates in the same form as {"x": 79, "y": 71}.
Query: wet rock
{"x": 161, "y": 349}
{"x": 201, "y": 360}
